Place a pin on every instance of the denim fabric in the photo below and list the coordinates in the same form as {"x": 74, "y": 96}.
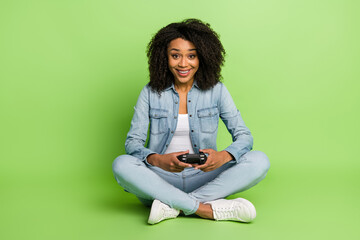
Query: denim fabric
{"x": 187, "y": 189}
{"x": 204, "y": 110}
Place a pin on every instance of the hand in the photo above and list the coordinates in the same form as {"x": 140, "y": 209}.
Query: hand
{"x": 214, "y": 160}
{"x": 168, "y": 162}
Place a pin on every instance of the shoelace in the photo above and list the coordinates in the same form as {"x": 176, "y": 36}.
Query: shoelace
{"x": 168, "y": 211}
{"x": 229, "y": 212}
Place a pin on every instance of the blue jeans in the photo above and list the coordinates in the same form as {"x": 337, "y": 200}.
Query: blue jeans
{"x": 185, "y": 190}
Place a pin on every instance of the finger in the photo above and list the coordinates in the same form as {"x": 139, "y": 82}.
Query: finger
{"x": 181, "y": 153}
{"x": 208, "y": 150}
{"x": 201, "y": 167}
{"x": 177, "y": 170}
{"x": 183, "y": 165}
{"x": 207, "y": 170}
{"x": 194, "y": 165}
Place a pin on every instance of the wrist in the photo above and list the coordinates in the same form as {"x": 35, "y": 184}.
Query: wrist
{"x": 227, "y": 156}
{"x": 152, "y": 158}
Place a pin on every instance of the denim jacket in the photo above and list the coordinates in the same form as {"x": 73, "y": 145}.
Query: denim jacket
{"x": 204, "y": 109}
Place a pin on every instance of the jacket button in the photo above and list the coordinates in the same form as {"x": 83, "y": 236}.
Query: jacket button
{"x": 189, "y": 101}
{"x": 190, "y": 115}
{"x": 192, "y": 130}
{"x": 195, "y": 145}
{"x": 176, "y": 102}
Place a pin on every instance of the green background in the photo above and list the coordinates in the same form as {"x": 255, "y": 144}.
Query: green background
{"x": 71, "y": 72}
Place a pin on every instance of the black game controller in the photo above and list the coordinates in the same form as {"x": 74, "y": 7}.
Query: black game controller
{"x": 199, "y": 158}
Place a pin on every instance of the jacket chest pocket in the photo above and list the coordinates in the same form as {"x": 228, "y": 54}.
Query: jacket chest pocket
{"x": 209, "y": 119}
{"x": 158, "y": 121}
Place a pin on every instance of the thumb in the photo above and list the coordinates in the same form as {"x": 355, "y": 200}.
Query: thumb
{"x": 183, "y": 152}
{"x": 205, "y": 150}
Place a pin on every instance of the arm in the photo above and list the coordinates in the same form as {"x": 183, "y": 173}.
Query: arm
{"x": 241, "y": 135}
{"x": 137, "y": 135}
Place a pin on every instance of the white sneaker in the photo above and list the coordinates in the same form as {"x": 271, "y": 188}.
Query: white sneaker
{"x": 160, "y": 211}
{"x": 238, "y": 209}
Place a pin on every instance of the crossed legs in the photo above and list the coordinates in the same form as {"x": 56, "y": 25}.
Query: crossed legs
{"x": 188, "y": 190}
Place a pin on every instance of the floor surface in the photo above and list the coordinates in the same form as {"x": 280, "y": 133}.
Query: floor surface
{"x": 289, "y": 206}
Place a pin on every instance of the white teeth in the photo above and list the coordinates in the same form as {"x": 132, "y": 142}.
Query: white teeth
{"x": 184, "y": 71}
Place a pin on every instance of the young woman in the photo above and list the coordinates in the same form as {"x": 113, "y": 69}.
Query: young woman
{"x": 183, "y": 103}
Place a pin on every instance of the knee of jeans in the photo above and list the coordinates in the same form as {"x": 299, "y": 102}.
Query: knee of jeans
{"x": 122, "y": 163}
{"x": 261, "y": 160}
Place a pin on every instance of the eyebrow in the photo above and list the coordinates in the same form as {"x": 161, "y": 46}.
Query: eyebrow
{"x": 193, "y": 49}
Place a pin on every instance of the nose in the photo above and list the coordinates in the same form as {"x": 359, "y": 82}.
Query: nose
{"x": 182, "y": 62}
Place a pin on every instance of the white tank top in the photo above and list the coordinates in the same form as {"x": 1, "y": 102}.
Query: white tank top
{"x": 181, "y": 139}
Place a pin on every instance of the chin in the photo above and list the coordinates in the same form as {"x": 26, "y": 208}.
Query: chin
{"x": 182, "y": 80}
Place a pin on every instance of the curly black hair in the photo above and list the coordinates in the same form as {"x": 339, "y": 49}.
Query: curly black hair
{"x": 208, "y": 46}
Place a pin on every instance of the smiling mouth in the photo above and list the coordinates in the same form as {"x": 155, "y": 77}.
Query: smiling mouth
{"x": 183, "y": 73}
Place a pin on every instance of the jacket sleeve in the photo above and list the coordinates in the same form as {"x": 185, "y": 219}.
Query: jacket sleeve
{"x": 241, "y": 135}
{"x": 137, "y": 135}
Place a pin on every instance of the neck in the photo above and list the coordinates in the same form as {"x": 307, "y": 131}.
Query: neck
{"x": 183, "y": 87}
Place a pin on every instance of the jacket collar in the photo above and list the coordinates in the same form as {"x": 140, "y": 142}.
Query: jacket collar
{"x": 173, "y": 86}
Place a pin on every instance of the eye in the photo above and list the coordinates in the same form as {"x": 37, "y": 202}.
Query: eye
{"x": 175, "y": 56}
{"x": 192, "y": 56}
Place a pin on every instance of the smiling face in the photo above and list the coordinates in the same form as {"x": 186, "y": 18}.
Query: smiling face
{"x": 183, "y": 61}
